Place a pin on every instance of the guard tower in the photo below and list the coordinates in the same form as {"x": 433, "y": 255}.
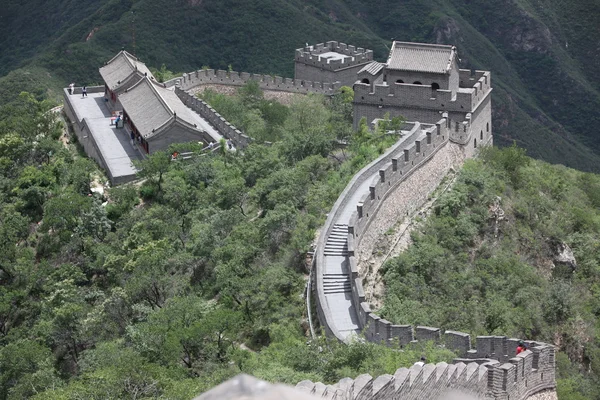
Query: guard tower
{"x": 331, "y": 62}
{"x": 421, "y": 82}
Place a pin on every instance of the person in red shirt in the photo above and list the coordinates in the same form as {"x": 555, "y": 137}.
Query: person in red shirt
{"x": 521, "y": 347}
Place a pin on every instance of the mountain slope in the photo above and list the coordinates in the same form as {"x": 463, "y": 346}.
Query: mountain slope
{"x": 542, "y": 55}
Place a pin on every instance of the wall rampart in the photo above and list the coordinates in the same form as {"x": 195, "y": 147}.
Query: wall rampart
{"x": 90, "y": 89}
{"x": 81, "y": 130}
{"x": 356, "y": 55}
{"x": 226, "y": 129}
{"x": 323, "y": 310}
{"x": 483, "y": 378}
{"x": 492, "y": 370}
{"x": 266, "y": 82}
{"x": 420, "y": 96}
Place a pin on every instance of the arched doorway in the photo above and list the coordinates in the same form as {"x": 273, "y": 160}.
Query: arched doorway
{"x": 434, "y": 89}
{"x": 365, "y": 80}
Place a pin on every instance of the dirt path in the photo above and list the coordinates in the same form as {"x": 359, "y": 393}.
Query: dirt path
{"x": 395, "y": 241}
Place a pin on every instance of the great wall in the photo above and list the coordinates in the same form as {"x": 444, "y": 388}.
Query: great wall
{"x": 389, "y": 188}
{"x": 453, "y": 108}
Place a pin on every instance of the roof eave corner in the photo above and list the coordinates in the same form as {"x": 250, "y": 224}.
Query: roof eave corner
{"x": 453, "y": 58}
{"x": 390, "y": 54}
{"x": 163, "y": 127}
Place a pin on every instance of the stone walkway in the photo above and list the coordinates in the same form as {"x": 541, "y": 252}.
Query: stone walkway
{"x": 113, "y": 144}
{"x": 336, "y": 275}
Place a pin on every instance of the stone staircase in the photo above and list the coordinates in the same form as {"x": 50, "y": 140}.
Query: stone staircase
{"x": 337, "y": 246}
{"x": 337, "y": 242}
{"x": 336, "y": 283}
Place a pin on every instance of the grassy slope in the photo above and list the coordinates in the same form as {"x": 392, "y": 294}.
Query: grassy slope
{"x": 542, "y": 55}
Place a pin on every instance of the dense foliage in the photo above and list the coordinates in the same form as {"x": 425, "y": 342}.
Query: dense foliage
{"x": 167, "y": 288}
{"x": 543, "y": 54}
{"x": 493, "y": 259}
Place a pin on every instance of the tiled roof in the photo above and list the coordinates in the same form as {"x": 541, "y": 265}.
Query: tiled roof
{"x": 121, "y": 67}
{"x": 151, "y": 106}
{"x": 372, "y": 68}
{"x": 420, "y": 57}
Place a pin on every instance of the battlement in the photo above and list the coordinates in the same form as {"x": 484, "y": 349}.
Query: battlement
{"x": 525, "y": 374}
{"x": 333, "y": 56}
{"x": 421, "y": 96}
{"x": 226, "y": 129}
{"x": 266, "y": 82}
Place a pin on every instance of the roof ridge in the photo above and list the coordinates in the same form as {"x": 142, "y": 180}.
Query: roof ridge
{"x": 430, "y": 45}
{"x": 147, "y": 79}
{"x": 160, "y": 97}
{"x": 151, "y": 83}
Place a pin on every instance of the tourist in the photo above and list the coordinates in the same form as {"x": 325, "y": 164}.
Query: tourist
{"x": 421, "y": 362}
{"x": 521, "y": 347}
{"x": 71, "y": 88}
{"x": 83, "y": 92}
{"x": 132, "y": 139}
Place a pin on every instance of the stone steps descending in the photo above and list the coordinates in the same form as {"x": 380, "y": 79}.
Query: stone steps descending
{"x": 337, "y": 241}
{"x": 336, "y": 283}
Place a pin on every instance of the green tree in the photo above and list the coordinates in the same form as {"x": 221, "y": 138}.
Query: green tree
{"x": 154, "y": 168}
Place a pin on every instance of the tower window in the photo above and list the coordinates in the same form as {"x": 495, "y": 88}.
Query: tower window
{"x": 435, "y": 86}
{"x": 399, "y": 81}
{"x": 417, "y": 83}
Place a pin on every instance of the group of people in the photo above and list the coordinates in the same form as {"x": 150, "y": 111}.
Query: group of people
{"x": 71, "y": 90}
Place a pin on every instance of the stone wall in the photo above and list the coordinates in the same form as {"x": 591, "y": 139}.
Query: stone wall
{"x": 80, "y": 127}
{"x": 344, "y": 76}
{"x": 420, "y": 102}
{"x": 407, "y": 174}
{"x": 412, "y": 130}
{"x": 518, "y": 378}
{"x": 309, "y": 55}
{"x": 266, "y": 82}
{"x": 226, "y": 130}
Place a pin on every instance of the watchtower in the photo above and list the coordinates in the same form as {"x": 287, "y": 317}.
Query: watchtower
{"x": 421, "y": 82}
{"x": 331, "y": 62}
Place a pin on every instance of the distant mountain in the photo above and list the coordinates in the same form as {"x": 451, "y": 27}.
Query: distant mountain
{"x": 543, "y": 54}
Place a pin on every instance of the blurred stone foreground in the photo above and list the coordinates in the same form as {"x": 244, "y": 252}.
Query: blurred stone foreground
{"x": 246, "y": 387}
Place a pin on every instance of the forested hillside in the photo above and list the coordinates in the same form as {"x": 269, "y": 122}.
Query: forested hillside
{"x": 512, "y": 249}
{"x": 543, "y": 54}
{"x": 165, "y": 289}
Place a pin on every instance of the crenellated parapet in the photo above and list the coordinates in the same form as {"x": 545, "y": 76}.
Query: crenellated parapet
{"x": 406, "y": 95}
{"x": 266, "y": 82}
{"x": 320, "y": 56}
{"x": 226, "y": 129}
{"x": 418, "y": 145}
{"x": 523, "y": 375}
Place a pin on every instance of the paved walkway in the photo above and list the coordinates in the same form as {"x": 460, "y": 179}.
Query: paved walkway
{"x": 113, "y": 144}
{"x": 337, "y": 274}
